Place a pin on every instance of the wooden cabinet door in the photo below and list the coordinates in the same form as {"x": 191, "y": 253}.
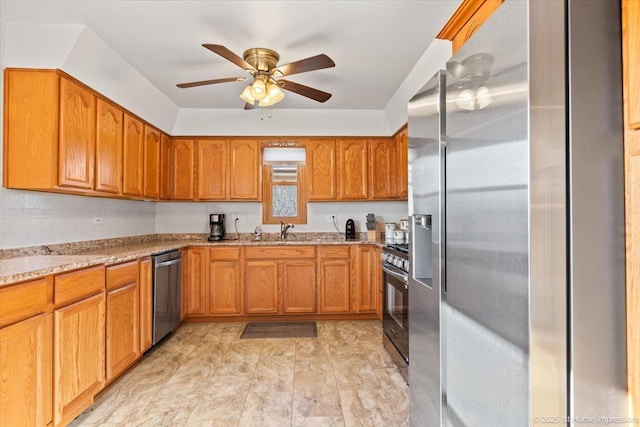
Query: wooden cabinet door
{"x": 133, "y": 156}
{"x": 352, "y": 170}
{"x": 631, "y": 59}
{"x": 321, "y": 164}
{"x": 146, "y": 304}
{"x": 26, "y": 352}
{"x": 383, "y": 168}
{"x": 261, "y": 287}
{"x": 335, "y": 286}
{"x": 31, "y": 105}
{"x": 466, "y": 20}
{"x": 195, "y": 289}
{"x": 109, "y": 131}
{"x": 78, "y": 355}
{"x": 225, "y": 288}
{"x": 123, "y": 322}
{"x": 211, "y": 160}
{"x": 77, "y": 136}
{"x": 151, "y": 162}
{"x": 166, "y": 173}
{"x": 402, "y": 161}
{"x": 182, "y": 160}
{"x": 298, "y": 286}
{"x": 244, "y": 169}
{"x": 365, "y": 287}
{"x": 123, "y": 327}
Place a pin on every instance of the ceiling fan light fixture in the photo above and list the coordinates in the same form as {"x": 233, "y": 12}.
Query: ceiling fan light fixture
{"x": 246, "y": 95}
{"x": 258, "y": 90}
{"x": 275, "y": 93}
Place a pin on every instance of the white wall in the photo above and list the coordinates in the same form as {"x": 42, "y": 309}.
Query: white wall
{"x": 188, "y": 217}
{"x": 434, "y": 59}
{"x": 30, "y": 218}
{"x": 259, "y": 122}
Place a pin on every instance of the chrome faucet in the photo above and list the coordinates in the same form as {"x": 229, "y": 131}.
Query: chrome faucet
{"x": 283, "y": 229}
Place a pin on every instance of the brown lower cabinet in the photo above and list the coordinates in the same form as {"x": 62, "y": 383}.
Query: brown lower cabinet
{"x": 26, "y": 350}
{"x": 235, "y": 281}
{"x": 63, "y": 337}
{"x": 78, "y": 356}
{"x": 123, "y": 325}
{"x": 146, "y": 304}
{"x": 334, "y": 265}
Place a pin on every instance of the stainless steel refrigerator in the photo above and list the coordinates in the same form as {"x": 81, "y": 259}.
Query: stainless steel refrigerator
{"x": 516, "y": 288}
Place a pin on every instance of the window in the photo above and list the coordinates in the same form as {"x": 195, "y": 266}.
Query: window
{"x": 285, "y": 197}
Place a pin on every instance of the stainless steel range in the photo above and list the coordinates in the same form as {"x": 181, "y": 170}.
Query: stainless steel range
{"x": 395, "y": 322}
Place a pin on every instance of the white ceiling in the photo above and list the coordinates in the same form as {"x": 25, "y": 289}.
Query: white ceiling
{"x": 374, "y": 44}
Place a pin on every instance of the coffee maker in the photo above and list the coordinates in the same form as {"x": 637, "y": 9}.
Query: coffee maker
{"x": 216, "y": 222}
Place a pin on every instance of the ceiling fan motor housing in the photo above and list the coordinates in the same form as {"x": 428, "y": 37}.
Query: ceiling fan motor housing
{"x": 262, "y": 59}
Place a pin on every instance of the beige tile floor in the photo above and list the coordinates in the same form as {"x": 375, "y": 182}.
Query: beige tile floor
{"x": 204, "y": 375}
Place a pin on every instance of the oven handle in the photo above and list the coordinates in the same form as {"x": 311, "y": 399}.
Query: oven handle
{"x": 403, "y": 277}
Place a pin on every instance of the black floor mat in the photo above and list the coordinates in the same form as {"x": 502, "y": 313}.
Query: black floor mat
{"x": 279, "y": 330}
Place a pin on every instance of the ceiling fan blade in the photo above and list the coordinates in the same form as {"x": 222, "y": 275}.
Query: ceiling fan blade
{"x": 307, "y": 91}
{"x": 210, "y": 82}
{"x": 248, "y": 106}
{"x": 317, "y": 62}
{"x": 229, "y": 56}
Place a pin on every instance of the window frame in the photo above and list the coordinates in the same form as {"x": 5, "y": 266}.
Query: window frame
{"x": 267, "y": 193}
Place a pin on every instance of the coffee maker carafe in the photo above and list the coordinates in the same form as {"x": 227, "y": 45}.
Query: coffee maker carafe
{"x": 216, "y": 222}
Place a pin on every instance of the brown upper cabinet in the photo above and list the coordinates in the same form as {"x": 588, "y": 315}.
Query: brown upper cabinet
{"x": 81, "y": 143}
{"x": 357, "y": 168}
{"x": 244, "y": 169}
{"x": 211, "y": 167}
{"x": 631, "y": 59}
{"x": 401, "y": 142}
{"x": 467, "y": 18}
{"x": 151, "y": 162}
{"x": 228, "y": 169}
{"x": 61, "y": 136}
{"x": 109, "y": 131}
{"x": 77, "y": 138}
{"x": 352, "y": 169}
{"x": 50, "y": 132}
{"x": 321, "y": 163}
{"x": 166, "y": 175}
{"x": 383, "y": 176}
{"x": 181, "y": 169}
{"x": 133, "y": 156}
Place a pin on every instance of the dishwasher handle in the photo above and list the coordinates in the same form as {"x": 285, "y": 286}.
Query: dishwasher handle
{"x": 170, "y": 262}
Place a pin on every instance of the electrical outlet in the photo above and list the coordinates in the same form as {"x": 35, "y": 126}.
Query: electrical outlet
{"x": 97, "y": 220}
{"x": 329, "y": 217}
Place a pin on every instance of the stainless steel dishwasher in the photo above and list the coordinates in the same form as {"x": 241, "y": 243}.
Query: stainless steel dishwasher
{"x": 167, "y": 273}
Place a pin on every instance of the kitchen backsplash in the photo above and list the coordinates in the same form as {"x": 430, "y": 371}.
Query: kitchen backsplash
{"x": 29, "y": 218}
{"x": 194, "y": 217}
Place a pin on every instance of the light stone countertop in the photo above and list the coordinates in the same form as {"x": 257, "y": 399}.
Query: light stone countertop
{"x": 36, "y": 262}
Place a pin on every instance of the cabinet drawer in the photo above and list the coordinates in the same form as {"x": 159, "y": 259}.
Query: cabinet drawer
{"x": 122, "y": 274}
{"x": 78, "y": 284}
{"x": 225, "y": 254}
{"x": 24, "y": 300}
{"x": 334, "y": 252}
{"x": 278, "y": 252}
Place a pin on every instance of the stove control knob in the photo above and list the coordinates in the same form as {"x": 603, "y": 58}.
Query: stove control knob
{"x": 406, "y": 264}
{"x": 384, "y": 256}
{"x": 397, "y": 262}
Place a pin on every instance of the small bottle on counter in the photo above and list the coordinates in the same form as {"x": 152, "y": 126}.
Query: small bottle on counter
{"x": 257, "y": 233}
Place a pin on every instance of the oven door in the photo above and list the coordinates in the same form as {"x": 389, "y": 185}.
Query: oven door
{"x": 395, "y": 309}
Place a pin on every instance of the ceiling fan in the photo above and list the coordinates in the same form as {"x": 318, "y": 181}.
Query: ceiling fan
{"x": 267, "y": 85}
